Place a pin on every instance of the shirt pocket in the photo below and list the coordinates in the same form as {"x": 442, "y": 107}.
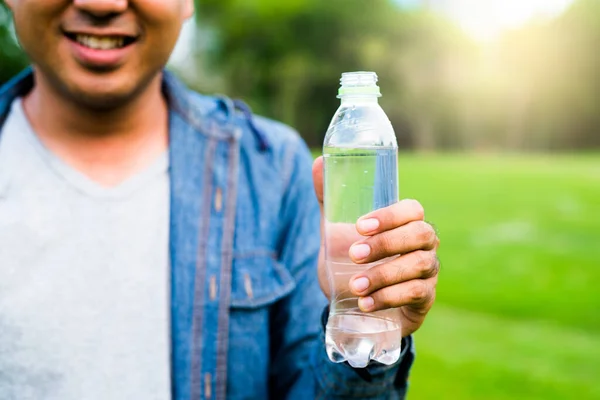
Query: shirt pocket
{"x": 258, "y": 282}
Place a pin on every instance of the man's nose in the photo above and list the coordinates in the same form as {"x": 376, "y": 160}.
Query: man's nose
{"x": 101, "y": 8}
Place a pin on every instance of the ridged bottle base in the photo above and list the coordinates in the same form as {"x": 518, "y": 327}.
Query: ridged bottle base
{"x": 360, "y": 338}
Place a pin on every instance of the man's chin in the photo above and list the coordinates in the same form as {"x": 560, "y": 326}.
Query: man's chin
{"x": 99, "y": 92}
{"x": 98, "y": 101}
{"x": 101, "y": 101}
{"x": 102, "y": 95}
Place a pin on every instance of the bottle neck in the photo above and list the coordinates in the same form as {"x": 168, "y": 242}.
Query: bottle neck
{"x": 359, "y": 99}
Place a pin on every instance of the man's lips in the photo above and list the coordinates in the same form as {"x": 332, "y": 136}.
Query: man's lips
{"x": 101, "y": 41}
{"x": 101, "y": 52}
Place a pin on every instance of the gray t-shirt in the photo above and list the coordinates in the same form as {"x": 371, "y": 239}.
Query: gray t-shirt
{"x": 84, "y": 277}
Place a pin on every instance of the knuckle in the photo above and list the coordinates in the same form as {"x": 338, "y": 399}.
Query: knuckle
{"x": 383, "y": 274}
{"x": 422, "y": 260}
{"x": 382, "y": 300}
{"x": 389, "y": 300}
{"x": 419, "y": 293}
{"x": 386, "y": 215}
{"x": 400, "y": 272}
{"x": 417, "y": 209}
{"x": 426, "y": 263}
{"x": 435, "y": 265}
{"x": 426, "y": 234}
{"x": 385, "y": 243}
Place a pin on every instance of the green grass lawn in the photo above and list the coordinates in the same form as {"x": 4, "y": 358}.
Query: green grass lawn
{"x": 518, "y": 308}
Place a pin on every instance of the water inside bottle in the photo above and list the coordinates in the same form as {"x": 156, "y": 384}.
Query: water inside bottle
{"x": 357, "y": 181}
{"x": 359, "y": 337}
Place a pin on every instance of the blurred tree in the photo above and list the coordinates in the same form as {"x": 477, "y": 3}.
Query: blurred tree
{"x": 12, "y": 59}
{"x": 286, "y": 57}
{"x": 551, "y": 86}
{"x": 535, "y": 89}
{"x": 573, "y": 91}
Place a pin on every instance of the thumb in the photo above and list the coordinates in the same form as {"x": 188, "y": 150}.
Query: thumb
{"x": 317, "y": 171}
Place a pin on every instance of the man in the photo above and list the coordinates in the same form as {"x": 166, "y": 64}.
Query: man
{"x": 157, "y": 244}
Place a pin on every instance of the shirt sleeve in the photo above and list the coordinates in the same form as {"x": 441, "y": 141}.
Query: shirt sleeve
{"x": 300, "y": 367}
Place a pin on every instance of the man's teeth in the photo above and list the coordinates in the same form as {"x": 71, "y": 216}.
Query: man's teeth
{"x": 100, "y": 42}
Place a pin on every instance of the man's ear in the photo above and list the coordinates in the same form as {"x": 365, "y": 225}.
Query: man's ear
{"x": 188, "y": 8}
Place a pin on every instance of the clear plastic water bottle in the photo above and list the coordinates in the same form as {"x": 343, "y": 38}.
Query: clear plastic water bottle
{"x": 360, "y": 175}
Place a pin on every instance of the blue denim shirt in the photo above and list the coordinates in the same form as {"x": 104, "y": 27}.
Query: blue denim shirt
{"x": 246, "y": 307}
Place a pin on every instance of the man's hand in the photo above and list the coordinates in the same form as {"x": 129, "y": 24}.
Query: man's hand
{"x": 399, "y": 235}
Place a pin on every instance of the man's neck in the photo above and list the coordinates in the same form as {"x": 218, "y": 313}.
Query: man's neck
{"x": 107, "y": 146}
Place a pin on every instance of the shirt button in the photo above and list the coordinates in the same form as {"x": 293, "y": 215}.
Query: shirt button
{"x": 218, "y": 199}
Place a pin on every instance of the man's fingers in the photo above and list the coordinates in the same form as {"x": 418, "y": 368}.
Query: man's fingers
{"x": 417, "y": 293}
{"x": 391, "y": 217}
{"x": 419, "y": 264}
{"x": 317, "y": 171}
{"x": 416, "y": 235}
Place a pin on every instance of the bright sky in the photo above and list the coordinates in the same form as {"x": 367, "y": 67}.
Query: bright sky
{"x": 487, "y": 19}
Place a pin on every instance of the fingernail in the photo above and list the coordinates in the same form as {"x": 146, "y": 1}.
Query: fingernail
{"x": 360, "y": 251}
{"x": 366, "y": 303}
{"x": 368, "y": 225}
{"x": 360, "y": 284}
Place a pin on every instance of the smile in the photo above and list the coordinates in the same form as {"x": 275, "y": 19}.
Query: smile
{"x": 101, "y": 42}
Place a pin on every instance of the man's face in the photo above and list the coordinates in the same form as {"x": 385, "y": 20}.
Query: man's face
{"x": 99, "y": 52}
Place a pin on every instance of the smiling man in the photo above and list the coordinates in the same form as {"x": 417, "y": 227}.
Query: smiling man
{"x": 160, "y": 244}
